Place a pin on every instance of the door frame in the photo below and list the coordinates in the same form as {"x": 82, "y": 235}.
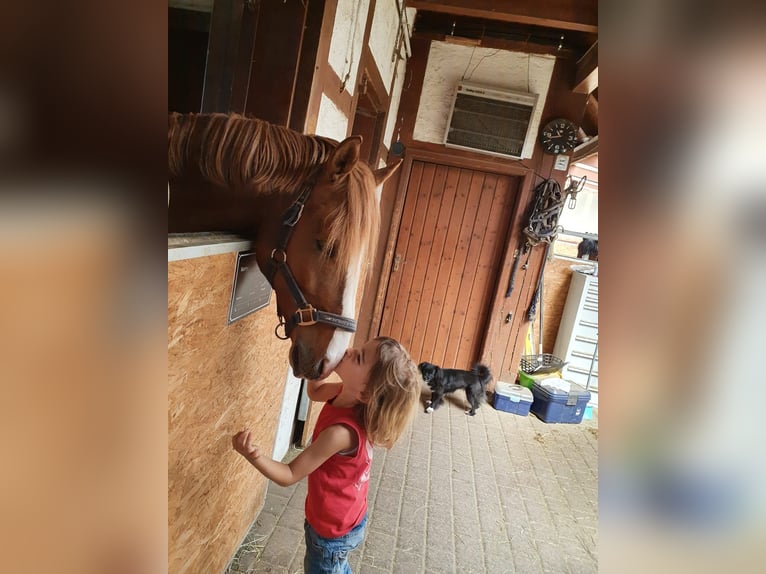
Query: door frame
{"x": 479, "y": 164}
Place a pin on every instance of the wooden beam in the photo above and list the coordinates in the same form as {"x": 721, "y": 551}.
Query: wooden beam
{"x": 585, "y": 149}
{"x": 576, "y": 15}
{"x": 501, "y": 44}
{"x": 379, "y": 92}
{"x": 331, "y": 84}
{"x": 361, "y": 68}
{"x": 307, "y": 64}
{"x": 320, "y": 66}
{"x": 586, "y": 74}
{"x": 225, "y": 25}
{"x": 589, "y": 121}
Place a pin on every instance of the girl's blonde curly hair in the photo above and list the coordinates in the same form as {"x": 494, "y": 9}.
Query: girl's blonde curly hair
{"x": 391, "y": 393}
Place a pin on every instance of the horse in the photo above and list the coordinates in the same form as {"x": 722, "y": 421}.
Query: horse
{"x": 308, "y": 204}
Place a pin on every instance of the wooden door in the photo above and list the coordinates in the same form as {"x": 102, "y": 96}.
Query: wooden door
{"x": 446, "y": 262}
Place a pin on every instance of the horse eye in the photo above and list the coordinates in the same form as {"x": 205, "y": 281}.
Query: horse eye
{"x": 322, "y": 245}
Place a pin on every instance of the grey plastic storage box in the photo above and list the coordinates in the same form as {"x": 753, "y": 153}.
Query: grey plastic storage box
{"x": 512, "y": 398}
{"x": 559, "y": 401}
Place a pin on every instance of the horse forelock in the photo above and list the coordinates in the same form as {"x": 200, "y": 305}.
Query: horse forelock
{"x": 353, "y": 225}
{"x": 236, "y": 151}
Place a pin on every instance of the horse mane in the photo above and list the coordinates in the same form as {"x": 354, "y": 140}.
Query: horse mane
{"x": 233, "y": 150}
{"x": 236, "y": 151}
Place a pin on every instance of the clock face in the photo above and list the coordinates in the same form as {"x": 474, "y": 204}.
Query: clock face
{"x": 559, "y": 136}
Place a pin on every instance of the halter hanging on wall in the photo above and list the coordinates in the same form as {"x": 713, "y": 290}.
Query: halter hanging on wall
{"x": 542, "y": 227}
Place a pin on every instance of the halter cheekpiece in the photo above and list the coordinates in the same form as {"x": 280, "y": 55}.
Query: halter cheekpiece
{"x": 306, "y": 314}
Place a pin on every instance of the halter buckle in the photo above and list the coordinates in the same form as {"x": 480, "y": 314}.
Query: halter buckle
{"x": 301, "y": 315}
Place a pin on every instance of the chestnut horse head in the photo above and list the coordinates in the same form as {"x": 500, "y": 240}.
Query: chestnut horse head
{"x": 309, "y": 205}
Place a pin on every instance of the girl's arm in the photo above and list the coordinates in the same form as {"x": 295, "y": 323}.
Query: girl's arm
{"x": 333, "y": 439}
{"x": 321, "y": 391}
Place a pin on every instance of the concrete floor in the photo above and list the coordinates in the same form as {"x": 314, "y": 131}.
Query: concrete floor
{"x": 495, "y": 493}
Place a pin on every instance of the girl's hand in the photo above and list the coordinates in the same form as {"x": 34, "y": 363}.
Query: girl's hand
{"x": 241, "y": 443}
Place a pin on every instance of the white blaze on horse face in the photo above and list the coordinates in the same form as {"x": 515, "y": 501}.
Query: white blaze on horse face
{"x": 342, "y": 339}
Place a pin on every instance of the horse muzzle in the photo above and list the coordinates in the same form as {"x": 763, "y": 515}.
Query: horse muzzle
{"x": 304, "y": 365}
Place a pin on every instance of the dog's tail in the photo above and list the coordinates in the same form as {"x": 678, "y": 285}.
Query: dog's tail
{"x": 482, "y": 371}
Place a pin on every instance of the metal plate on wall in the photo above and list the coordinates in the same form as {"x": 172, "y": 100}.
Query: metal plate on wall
{"x": 251, "y": 290}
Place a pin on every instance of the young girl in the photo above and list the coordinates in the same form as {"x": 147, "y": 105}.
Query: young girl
{"x": 371, "y": 406}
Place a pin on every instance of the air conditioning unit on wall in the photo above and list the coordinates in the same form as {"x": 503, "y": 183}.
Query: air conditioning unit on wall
{"x": 490, "y": 120}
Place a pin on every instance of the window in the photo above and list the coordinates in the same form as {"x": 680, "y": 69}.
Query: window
{"x": 580, "y": 224}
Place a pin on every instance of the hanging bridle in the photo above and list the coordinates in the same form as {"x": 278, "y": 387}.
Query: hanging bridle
{"x": 306, "y": 314}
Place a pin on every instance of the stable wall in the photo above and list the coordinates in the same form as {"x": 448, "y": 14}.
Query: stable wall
{"x": 221, "y": 378}
{"x": 558, "y": 276}
{"x": 432, "y": 72}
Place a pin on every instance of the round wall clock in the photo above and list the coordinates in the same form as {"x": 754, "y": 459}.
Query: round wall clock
{"x": 559, "y": 136}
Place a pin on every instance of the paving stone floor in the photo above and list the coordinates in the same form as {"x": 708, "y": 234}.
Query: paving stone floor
{"x": 495, "y": 493}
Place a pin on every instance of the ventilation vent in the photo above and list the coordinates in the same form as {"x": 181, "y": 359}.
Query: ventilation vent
{"x": 490, "y": 120}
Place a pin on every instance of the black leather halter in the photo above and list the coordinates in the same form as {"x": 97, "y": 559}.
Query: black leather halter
{"x": 306, "y": 314}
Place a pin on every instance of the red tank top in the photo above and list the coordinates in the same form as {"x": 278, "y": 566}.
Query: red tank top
{"x": 337, "y": 491}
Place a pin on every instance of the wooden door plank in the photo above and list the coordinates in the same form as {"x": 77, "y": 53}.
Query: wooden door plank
{"x": 499, "y": 274}
{"x": 444, "y": 298}
{"x": 467, "y": 308}
{"x": 407, "y": 265}
{"x": 447, "y": 316}
{"x": 526, "y": 282}
{"x": 474, "y": 313}
{"x": 488, "y": 268}
{"x": 461, "y": 268}
{"x": 413, "y": 324}
{"x": 441, "y": 257}
{"x": 408, "y": 212}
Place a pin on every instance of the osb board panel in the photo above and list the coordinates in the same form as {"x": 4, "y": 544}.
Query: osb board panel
{"x": 221, "y": 378}
{"x": 558, "y": 275}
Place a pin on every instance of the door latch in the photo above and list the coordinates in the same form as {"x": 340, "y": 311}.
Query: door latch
{"x": 397, "y": 262}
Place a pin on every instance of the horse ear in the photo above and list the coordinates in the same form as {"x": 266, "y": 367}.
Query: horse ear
{"x": 384, "y": 173}
{"x": 344, "y": 158}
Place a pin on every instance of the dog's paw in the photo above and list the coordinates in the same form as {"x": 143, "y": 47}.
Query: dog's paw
{"x": 470, "y": 413}
{"x": 429, "y": 409}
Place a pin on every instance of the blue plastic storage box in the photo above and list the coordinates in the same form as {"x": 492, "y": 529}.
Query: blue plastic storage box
{"x": 512, "y": 398}
{"x": 559, "y": 401}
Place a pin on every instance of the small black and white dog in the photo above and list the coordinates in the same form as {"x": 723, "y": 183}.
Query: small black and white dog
{"x": 444, "y": 381}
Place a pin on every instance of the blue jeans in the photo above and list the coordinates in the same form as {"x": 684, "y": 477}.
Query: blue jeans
{"x": 330, "y": 555}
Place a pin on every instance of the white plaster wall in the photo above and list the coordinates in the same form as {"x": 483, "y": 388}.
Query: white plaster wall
{"x": 411, "y": 12}
{"x": 347, "y": 38}
{"x": 331, "y": 121}
{"x": 392, "y": 120}
{"x": 284, "y": 433}
{"x": 383, "y": 35}
{"x": 449, "y": 63}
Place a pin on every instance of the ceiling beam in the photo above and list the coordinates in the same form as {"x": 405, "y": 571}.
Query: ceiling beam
{"x": 585, "y": 149}
{"x": 500, "y": 44}
{"x": 575, "y": 15}
{"x": 586, "y": 73}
